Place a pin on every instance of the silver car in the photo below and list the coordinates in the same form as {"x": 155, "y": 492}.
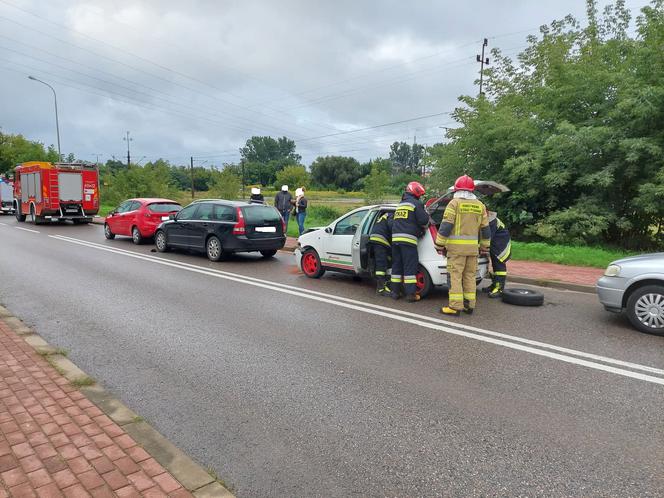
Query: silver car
{"x": 636, "y": 285}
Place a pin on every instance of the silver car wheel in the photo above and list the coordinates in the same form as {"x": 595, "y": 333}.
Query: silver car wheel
{"x": 214, "y": 248}
{"x": 160, "y": 241}
{"x": 136, "y": 235}
{"x": 649, "y": 309}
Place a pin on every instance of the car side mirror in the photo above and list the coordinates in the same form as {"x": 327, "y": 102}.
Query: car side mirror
{"x": 112, "y": 213}
{"x": 328, "y": 229}
{"x": 172, "y": 216}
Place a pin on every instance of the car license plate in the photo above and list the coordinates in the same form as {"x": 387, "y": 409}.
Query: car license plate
{"x": 266, "y": 229}
{"x": 164, "y": 218}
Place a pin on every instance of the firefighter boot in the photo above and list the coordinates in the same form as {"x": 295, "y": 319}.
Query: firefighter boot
{"x": 466, "y": 307}
{"x": 396, "y": 291}
{"x": 446, "y": 310}
{"x": 413, "y": 298}
{"x": 380, "y": 285}
{"x": 496, "y": 291}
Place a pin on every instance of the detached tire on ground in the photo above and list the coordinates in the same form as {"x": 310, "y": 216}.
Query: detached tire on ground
{"x": 523, "y": 297}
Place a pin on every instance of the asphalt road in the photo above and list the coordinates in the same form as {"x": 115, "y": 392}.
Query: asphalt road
{"x": 287, "y": 386}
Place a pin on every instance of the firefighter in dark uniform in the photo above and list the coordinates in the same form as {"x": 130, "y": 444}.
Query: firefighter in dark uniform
{"x": 500, "y": 253}
{"x": 410, "y": 221}
{"x": 463, "y": 233}
{"x": 380, "y": 241}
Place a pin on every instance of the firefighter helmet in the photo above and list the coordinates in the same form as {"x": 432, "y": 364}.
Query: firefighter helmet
{"x": 416, "y": 189}
{"x": 464, "y": 183}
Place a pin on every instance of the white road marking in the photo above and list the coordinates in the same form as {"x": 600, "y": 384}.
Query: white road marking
{"x": 470, "y": 328}
{"x": 406, "y": 317}
{"x": 27, "y": 229}
{"x": 4, "y": 224}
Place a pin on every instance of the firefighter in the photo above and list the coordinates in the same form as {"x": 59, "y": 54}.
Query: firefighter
{"x": 464, "y": 221}
{"x": 380, "y": 240}
{"x": 410, "y": 221}
{"x": 500, "y": 253}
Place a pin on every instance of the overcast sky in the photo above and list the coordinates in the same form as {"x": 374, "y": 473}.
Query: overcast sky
{"x": 200, "y": 77}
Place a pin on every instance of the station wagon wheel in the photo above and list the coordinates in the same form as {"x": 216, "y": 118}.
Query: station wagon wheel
{"x": 645, "y": 309}
{"x": 214, "y": 249}
{"x": 160, "y": 241}
{"x": 136, "y": 236}
{"x": 107, "y": 232}
{"x": 311, "y": 265}
{"x": 424, "y": 283}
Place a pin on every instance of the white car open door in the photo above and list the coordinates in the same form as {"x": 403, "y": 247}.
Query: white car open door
{"x": 338, "y": 240}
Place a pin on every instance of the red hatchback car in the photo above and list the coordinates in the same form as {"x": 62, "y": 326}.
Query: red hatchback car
{"x": 139, "y": 218}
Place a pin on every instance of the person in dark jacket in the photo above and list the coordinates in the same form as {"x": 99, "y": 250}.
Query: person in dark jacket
{"x": 300, "y": 208}
{"x": 282, "y": 201}
{"x": 256, "y": 196}
{"x": 380, "y": 241}
{"x": 410, "y": 222}
{"x": 500, "y": 253}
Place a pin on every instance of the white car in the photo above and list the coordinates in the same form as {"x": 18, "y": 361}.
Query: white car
{"x": 343, "y": 246}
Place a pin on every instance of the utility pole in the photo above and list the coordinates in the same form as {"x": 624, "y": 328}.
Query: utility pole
{"x": 191, "y": 169}
{"x": 127, "y": 139}
{"x": 483, "y": 61}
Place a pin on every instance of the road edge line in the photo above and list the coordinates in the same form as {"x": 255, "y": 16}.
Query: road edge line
{"x": 193, "y": 476}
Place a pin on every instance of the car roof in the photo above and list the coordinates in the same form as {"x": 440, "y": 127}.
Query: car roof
{"x": 227, "y": 203}
{"x": 151, "y": 200}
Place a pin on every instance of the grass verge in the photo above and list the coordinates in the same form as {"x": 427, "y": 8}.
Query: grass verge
{"x": 596, "y": 257}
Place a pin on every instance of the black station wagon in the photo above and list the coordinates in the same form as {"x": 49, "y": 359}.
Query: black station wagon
{"x": 219, "y": 228}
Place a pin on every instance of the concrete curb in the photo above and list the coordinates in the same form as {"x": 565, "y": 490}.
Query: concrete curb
{"x": 554, "y": 284}
{"x": 196, "y": 479}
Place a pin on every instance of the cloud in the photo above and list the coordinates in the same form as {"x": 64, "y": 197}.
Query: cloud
{"x": 200, "y": 77}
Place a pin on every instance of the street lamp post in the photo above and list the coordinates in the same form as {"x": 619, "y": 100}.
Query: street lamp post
{"x": 57, "y": 124}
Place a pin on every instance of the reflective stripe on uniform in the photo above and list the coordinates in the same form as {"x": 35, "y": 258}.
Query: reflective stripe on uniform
{"x": 404, "y": 237}
{"x": 380, "y": 273}
{"x": 395, "y": 278}
{"x": 469, "y": 295}
{"x": 453, "y": 241}
{"x": 410, "y": 279}
{"x": 440, "y": 240}
{"x": 500, "y": 273}
{"x": 456, "y": 296}
{"x": 506, "y": 253}
{"x": 379, "y": 239}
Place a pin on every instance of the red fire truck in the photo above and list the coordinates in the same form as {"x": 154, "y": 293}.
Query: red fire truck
{"x": 56, "y": 191}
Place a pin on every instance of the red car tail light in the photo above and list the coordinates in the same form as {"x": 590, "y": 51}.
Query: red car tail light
{"x": 239, "y": 228}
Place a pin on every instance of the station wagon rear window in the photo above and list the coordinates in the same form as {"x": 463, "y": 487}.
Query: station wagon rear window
{"x": 260, "y": 214}
{"x": 164, "y": 207}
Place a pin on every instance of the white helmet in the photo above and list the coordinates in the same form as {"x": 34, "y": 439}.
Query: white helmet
{"x": 284, "y": 188}
{"x": 299, "y": 192}
{"x": 255, "y": 190}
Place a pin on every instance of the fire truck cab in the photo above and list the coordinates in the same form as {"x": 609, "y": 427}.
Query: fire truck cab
{"x": 6, "y": 196}
{"x": 46, "y": 191}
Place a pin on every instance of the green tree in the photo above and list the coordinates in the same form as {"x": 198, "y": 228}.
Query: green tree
{"x": 263, "y": 157}
{"x": 225, "y": 184}
{"x": 406, "y": 158}
{"x": 16, "y": 149}
{"x": 293, "y": 176}
{"x": 575, "y": 127}
{"x": 336, "y": 172}
{"x": 376, "y": 185}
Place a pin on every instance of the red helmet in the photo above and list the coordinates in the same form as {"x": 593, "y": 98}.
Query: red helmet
{"x": 416, "y": 189}
{"x": 464, "y": 183}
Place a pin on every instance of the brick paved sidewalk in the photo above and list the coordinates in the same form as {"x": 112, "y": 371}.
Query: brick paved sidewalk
{"x": 55, "y": 442}
{"x": 580, "y": 275}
